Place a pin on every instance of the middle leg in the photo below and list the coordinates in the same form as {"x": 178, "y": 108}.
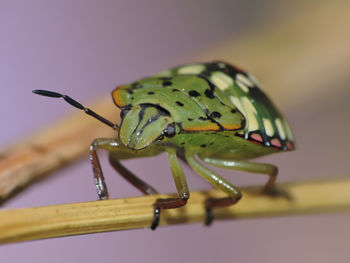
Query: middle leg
{"x": 217, "y": 181}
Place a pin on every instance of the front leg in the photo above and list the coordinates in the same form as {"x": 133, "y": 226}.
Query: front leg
{"x": 101, "y": 143}
{"x": 181, "y": 187}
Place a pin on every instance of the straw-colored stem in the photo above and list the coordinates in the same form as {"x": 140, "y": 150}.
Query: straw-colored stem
{"x": 130, "y": 213}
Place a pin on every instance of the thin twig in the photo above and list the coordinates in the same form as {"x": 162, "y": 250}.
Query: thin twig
{"x": 131, "y": 213}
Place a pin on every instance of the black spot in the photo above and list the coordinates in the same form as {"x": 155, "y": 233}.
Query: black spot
{"x": 130, "y": 91}
{"x": 190, "y": 119}
{"x": 132, "y": 98}
{"x": 211, "y": 143}
{"x": 179, "y": 124}
{"x": 165, "y": 78}
{"x": 150, "y": 93}
{"x": 202, "y": 118}
{"x": 182, "y": 143}
{"x": 136, "y": 85}
{"x": 233, "y": 110}
{"x": 203, "y": 145}
{"x": 179, "y": 103}
{"x": 194, "y": 93}
{"x": 175, "y": 90}
{"x": 216, "y": 114}
{"x": 167, "y": 83}
{"x": 209, "y": 93}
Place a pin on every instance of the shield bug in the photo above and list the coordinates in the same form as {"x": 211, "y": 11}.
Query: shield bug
{"x": 214, "y": 112}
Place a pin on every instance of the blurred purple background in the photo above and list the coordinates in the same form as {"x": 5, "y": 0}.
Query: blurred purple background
{"x": 84, "y": 49}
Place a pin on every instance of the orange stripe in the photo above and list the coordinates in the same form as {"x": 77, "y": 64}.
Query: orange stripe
{"x": 116, "y": 96}
{"x": 232, "y": 126}
{"x": 213, "y": 127}
{"x": 203, "y": 128}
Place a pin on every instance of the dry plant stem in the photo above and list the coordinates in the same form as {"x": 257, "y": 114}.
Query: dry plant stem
{"x": 131, "y": 213}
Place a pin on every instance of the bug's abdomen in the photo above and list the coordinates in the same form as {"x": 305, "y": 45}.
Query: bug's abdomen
{"x": 264, "y": 123}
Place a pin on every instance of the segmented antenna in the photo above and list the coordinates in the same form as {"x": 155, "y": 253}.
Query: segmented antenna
{"x": 76, "y": 104}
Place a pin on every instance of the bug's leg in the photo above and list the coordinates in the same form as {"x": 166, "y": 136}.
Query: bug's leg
{"x": 181, "y": 187}
{"x": 101, "y": 143}
{"x": 261, "y": 168}
{"x": 129, "y": 176}
{"x": 218, "y": 182}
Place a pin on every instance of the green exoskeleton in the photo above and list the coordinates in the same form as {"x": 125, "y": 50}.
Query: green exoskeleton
{"x": 213, "y": 112}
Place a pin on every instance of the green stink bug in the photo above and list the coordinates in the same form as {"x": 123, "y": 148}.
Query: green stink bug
{"x": 213, "y": 111}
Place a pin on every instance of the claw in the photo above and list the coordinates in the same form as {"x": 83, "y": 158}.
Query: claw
{"x": 156, "y": 218}
{"x": 209, "y": 216}
{"x": 277, "y": 192}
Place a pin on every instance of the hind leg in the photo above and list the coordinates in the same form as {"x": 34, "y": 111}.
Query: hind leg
{"x": 252, "y": 167}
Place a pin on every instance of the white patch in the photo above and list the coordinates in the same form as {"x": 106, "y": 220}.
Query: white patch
{"x": 248, "y": 110}
{"x": 248, "y": 104}
{"x": 242, "y": 86}
{"x": 251, "y": 114}
{"x": 221, "y": 65}
{"x": 191, "y": 69}
{"x": 244, "y": 80}
{"x": 221, "y": 80}
{"x": 268, "y": 127}
{"x": 288, "y": 130}
{"x": 280, "y": 129}
{"x": 255, "y": 81}
{"x": 237, "y": 103}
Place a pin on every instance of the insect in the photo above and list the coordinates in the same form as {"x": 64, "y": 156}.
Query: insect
{"x": 214, "y": 112}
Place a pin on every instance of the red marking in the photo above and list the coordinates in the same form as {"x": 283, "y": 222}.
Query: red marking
{"x": 256, "y": 137}
{"x": 290, "y": 146}
{"x": 276, "y": 142}
{"x": 259, "y": 143}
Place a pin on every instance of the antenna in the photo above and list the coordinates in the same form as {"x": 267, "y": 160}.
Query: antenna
{"x": 76, "y": 104}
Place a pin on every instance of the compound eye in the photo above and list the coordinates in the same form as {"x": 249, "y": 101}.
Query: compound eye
{"x": 170, "y": 131}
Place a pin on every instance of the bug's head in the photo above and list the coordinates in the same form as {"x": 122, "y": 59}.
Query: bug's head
{"x": 144, "y": 124}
